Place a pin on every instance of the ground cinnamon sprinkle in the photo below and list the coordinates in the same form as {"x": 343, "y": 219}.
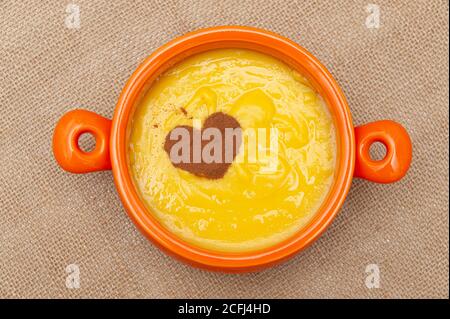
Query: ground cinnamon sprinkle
{"x": 182, "y": 109}
{"x": 209, "y": 170}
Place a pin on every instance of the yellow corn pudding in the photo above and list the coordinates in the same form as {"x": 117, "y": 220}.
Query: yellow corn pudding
{"x": 261, "y": 199}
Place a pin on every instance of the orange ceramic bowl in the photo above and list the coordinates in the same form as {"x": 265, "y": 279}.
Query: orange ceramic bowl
{"x": 353, "y": 144}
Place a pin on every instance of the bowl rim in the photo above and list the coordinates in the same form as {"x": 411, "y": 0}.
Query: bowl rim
{"x": 229, "y": 37}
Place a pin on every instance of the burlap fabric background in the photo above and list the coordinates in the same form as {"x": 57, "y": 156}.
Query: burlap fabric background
{"x": 50, "y": 219}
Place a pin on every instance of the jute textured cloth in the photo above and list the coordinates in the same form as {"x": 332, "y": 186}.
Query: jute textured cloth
{"x": 50, "y": 219}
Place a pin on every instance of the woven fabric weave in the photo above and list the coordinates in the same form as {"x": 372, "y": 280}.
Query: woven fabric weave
{"x": 50, "y": 219}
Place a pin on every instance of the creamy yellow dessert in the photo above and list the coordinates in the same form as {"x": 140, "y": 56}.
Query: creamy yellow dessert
{"x": 261, "y": 200}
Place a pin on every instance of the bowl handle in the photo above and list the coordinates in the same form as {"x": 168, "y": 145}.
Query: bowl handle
{"x": 398, "y": 156}
{"x": 65, "y": 142}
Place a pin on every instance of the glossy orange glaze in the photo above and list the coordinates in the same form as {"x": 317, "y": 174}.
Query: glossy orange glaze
{"x": 393, "y": 167}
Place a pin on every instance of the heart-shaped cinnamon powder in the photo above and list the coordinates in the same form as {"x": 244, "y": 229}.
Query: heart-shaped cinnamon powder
{"x": 220, "y": 149}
